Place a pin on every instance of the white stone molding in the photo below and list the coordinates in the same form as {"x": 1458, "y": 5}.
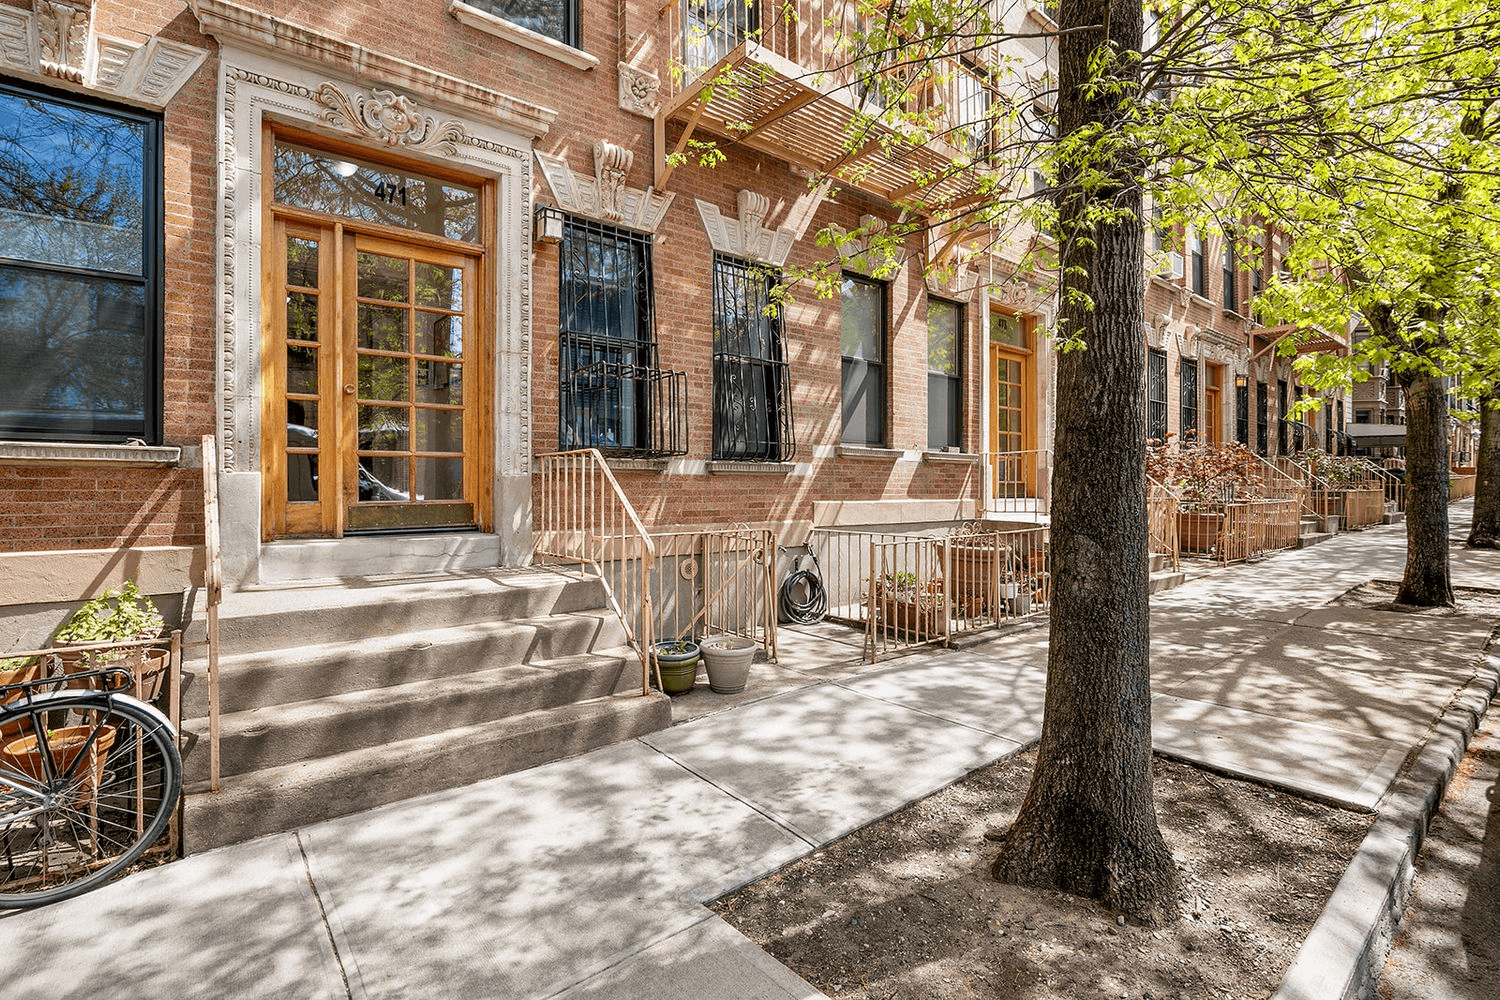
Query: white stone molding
{"x": 60, "y": 453}
{"x": 747, "y": 238}
{"x": 958, "y": 275}
{"x": 640, "y": 91}
{"x": 855, "y": 252}
{"x": 605, "y": 195}
{"x": 239, "y": 26}
{"x": 389, "y": 118}
{"x": 55, "y": 42}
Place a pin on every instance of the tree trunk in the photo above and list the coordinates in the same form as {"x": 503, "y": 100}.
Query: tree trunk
{"x": 1088, "y": 825}
{"x": 1484, "y": 532}
{"x": 1427, "y": 582}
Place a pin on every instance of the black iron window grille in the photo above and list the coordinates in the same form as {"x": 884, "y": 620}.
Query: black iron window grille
{"x": 1242, "y": 414}
{"x": 611, "y": 393}
{"x": 1281, "y": 408}
{"x": 1262, "y": 428}
{"x": 752, "y": 381}
{"x": 1156, "y": 395}
{"x": 1188, "y": 400}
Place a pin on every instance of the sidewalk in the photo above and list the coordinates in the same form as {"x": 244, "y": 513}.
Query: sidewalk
{"x": 585, "y": 878}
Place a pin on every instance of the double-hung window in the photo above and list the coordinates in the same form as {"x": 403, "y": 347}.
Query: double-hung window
{"x": 752, "y": 384}
{"x": 607, "y": 373}
{"x": 862, "y": 338}
{"x": 1231, "y": 275}
{"x": 1200, "y": 265}
{"x": 552, "y": 18}
{"x": 945, "y": 323}
{"x": 1156, "y": 395}
{"x": 80, "y": 269}
{"x": 1188, "y": 400}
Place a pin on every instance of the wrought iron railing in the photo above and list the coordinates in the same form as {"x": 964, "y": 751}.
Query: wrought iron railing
{"x": 716, "y": 582}
{"x": 582, "y": 516}
{"x": 753, "y": 410}
{"x": 623, "y": 409}
{"x": 1019, "y": 482}
{"x": 1162, "y": 508}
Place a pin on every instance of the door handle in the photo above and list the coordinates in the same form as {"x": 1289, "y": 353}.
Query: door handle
{"x": 349, "y": 389}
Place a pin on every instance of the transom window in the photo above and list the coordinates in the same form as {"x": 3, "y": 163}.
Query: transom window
{"x": 552, "y": 18}
{"x": 752, "y": 384}
{"x": 862, "y": 337}
{"x": 945, "y": 324}
{"x": 80, "y": 279}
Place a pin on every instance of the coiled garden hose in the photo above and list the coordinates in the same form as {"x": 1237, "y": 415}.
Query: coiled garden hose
{"x": 810, "y": 608}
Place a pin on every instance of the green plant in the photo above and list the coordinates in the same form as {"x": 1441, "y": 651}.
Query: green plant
{"x": 904, "y": 586}
{"x": 15, "y": 663}
{"x": 1204, "y": 475}
{"x": 115, "y": 616}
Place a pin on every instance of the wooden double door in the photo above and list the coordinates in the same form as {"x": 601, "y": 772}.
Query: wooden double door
{"x": 372, "y": 380}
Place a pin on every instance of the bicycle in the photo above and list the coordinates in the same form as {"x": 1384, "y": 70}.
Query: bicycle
{"x": 89, "y": 779}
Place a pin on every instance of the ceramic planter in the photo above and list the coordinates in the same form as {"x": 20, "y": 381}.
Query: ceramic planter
{"x": 975, "y": 570}
{"x": 727, "y": 660}
{"x": 677, "y": 663}
{"x": 66, "y": 745}
{"x": 910, "y": 618}
{"x": 1197, "y": 532}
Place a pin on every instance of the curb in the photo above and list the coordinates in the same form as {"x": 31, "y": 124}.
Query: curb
{"x": 1345, "y": 952}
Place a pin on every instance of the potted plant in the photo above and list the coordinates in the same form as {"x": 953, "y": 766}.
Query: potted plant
{"x": 1205, "y": 479}
{"x": 65, "y": 745}
{"x": 727, "y": 659}
{"x": 123, "y": 615}
{"x": 676, "y": 664}
{"x": 910, "y": 608}
{"x": 16, "y": 670}
{"x": 976, "y": 560}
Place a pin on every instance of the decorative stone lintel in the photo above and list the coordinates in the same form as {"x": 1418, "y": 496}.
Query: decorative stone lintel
{"x": 605, "y": 195}
{"x": 55, "y": 42}
{"x": 231, "y": 23}
{"x": 61, "y": 453}
{"x": 748, "y": 238}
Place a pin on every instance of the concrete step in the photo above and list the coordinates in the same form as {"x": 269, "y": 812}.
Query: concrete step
{"x": 1165, "y": 579}
{"x": 283, "y": 676}
{"x": 1160, "y": 561}
{"x": 1308, "y": 539}
{"x": 284, "y": 798}
{"x": 1395, "y": 517}
{"x": 277, "y": 735}
{"x": 271, "y": 618}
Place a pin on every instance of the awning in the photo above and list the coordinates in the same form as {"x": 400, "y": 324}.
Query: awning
{"x": 781, "y": 110}
{"x": 1377, "y": 435}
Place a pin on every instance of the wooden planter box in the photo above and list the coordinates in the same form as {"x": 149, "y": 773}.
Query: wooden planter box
{"x": 908, "y": 619}
{"x": 1198, "y": 532}
{"x": 976, "y": 576}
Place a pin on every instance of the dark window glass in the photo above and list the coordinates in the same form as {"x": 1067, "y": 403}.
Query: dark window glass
{"x": 607, "y": 344}
{"x": 554, "y": 18}
{"x": 752, "y": 384}
{"x": 1188, "y": 400}
{"x": 945, "y": 323}
{"x": 862, "y": 336}
{"x": 80, "y": 246}
{"x": 1242, "y": 413}
{"x": 1156, "y": 395}
{"x": 1262, "y": 428}
{"x": 1281, "y": 411}
{"x": 1200, "y": 266}
{"x": 1231, "y": 293}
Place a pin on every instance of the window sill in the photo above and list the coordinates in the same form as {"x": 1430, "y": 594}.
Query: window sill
{"x": 719, "y": 466}
{"x": 130, "y": 456}
{"x": 526, "y": 38}
{"x": 1202, "y": 300}
{"x": 949, "y": 456}
{"x": 865, "y": 451}
{"x": 637, "y": 464}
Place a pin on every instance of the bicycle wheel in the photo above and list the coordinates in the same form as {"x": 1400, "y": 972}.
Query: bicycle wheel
{"x": 88, "y": 782}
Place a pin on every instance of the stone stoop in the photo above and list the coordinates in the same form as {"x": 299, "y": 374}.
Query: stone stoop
{"x": 1163, "y": 576}
{"x": 345, "y": 695}
{"x": 1311, "y": 531}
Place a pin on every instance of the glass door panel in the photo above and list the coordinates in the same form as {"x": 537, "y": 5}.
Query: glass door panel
{"x": 299, "y": 370}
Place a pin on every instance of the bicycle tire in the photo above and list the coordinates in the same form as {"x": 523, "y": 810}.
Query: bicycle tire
{"x": 78, "y": 808}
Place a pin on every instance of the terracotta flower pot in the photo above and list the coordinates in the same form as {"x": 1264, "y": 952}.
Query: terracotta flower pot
{"x": 17, "y": 675}
{"x": 147, "y": 665}
{"x": 66, "y": 745}
{"x": 910, "y": 619}
{"x": 728, "y": 660}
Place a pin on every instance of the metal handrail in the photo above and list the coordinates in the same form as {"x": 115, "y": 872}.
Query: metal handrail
{"x": 213, "y": 590}
{"x": 584, "y": 517}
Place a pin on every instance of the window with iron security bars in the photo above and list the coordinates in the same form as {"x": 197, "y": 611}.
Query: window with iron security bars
{"x": 752, "y": 381}
{"x": 1242, "y": 414}
{"x": 1188, "y": 398}
{"x": 1262, "y": 427}
{"x": 1156, "y": 395}
{"x": 611, "y": 393}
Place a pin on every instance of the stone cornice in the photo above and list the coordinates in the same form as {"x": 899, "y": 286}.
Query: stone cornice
{"x": 232, "y": 23}
{"x": 59, "y": 453}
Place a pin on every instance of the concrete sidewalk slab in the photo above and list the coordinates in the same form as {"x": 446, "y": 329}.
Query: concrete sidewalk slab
{"x": 1380, "y": 687}
{"x": 526, "y": 884}
{"x": 972, "y": 687}
{"x": 239, "y": 922}
{"x": 708, "y": 959}
{"x": 827, "y": 760}
{"x": 1469, "y": 632}
{"x": 1322, "y": 763}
